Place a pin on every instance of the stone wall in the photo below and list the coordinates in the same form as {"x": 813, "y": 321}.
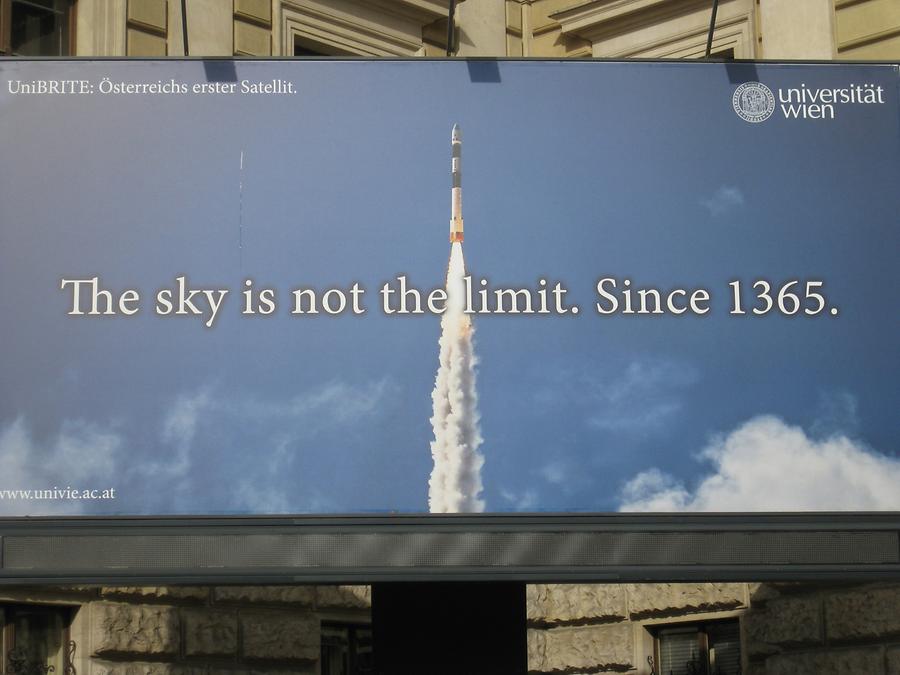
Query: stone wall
{"x": 795, "y": 629}
{"x": 606, "y": 628}
{"x": 786, "y": 629}
{"x": 224, "y": 630}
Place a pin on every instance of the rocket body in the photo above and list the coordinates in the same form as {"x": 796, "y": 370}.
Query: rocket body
{"x": 456, "y": 218}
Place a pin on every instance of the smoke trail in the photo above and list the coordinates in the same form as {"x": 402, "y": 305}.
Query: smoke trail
{"x": 455, "y": 483}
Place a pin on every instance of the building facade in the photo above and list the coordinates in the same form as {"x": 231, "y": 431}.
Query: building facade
{"x": 186, "y": 630}
{"x": 715, "y": 629}
{"x": 639, "y": 629}
{"x": 620, "y": 29}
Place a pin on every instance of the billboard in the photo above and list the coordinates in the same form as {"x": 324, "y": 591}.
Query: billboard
{"x": 327, "y": 287}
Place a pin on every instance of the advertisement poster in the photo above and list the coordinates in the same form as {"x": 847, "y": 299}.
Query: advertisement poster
{"x": 329, "y": 287}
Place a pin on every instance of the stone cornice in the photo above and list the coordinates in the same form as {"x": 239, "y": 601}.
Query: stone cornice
{"x": 345, "y": 34}
{"x": 595, "y": 18}
{"x": 365, "y": 27}
{"x": 423, "y": 11}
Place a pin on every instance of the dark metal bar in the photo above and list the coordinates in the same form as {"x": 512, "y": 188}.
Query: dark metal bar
{"x": 712, "y": 27}
{"x": 184, "y": 30}
{"x": 451, "y": 28}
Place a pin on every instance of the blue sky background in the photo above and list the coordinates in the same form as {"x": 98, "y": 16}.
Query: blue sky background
{"x": 571, "y": 171}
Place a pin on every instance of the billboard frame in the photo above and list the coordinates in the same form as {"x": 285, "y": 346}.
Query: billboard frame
{"x": 60, "y": 546}
{"x": 598, "y": 548}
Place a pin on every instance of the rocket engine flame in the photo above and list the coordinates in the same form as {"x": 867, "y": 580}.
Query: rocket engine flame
{"x": 455, "y": 484}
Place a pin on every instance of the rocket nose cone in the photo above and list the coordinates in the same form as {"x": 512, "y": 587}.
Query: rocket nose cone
{"x": 456, "y": 135}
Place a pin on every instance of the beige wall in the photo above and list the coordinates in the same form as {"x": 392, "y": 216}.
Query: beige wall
{"x": 209, "y": 28}
{"x": 797, "y": 29}
{"x": 198, "y": 630}
{"x": 482, "y": 28}
{"x": 786, "y": 629}
{"x": 868, "y": 29}
{"x": 772, "y": 29}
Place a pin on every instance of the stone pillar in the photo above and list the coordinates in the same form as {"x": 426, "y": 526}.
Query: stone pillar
{"x": 797, "y": 29}
{"x": 100, "y": 28}
{"x": 481, "y": 28}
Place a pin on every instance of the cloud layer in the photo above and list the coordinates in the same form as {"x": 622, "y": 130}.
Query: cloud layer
{"x": 79, "y": 452}
{"x": 723, "y": 200}
{"x": 768, "y": 465}
{"x": 207, "y": 452}
{"x": 640, "y": 399}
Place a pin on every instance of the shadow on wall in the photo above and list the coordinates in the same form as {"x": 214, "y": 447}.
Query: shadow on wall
{"x": 486, "y": 70}
{"x": 219, "y": 70}
{"x": 828, "y": 628}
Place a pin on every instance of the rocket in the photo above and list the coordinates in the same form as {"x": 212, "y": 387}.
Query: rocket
{"x": 456, "y": 219}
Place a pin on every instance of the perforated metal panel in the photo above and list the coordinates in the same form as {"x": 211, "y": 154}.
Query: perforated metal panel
{"x": 527, "y": 547}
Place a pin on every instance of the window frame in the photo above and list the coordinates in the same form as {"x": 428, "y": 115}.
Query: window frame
{"x": 8, "y": 634}
{"x": 702, "y": 627}
{"x": 352, "y": 628}
{"x": 6, "y": 28}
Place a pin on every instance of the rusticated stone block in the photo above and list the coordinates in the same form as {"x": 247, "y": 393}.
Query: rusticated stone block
{"x": 893, "y": 661}
{"x": 167, "y": 593}
{"x": 134, "y": 629}
{"x": 133, "y": 668}
{"x": 209, "y": 633}
{"x": 80, "y": 590}
{"x": 588, "y": 648}
{"x": 869, "y": 613}
{"x": 280, "y": 637}
{"x": 561, "y": 603}
{"x": 840, "y": 662}
{"x": 760, "y": 593}
{"x": 23, "y": 594}
{"x": 673, "y": 599}
{"x": 344, "y": 597}
{"x": 275, "y": 595}
{"x": 296, "y": 670}
{"x": 784, "y": 622}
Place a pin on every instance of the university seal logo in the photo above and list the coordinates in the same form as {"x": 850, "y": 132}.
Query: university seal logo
{"x": 753, "y": 102}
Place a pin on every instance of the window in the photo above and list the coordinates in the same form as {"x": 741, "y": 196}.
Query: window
{"x": 724, "y": 55}
{"x": 36, "y": 27}
{"x": 35, "y": 640}
{"x": 705, "y": 649}
{"x": 346, "y": 649}
{"x": 304, "y": 47}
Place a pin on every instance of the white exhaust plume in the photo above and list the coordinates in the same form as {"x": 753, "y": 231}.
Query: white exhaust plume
{"x": 455, "y": 484}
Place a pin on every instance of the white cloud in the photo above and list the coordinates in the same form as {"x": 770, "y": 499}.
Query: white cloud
{"x": 524, "y": 501}
{"x": 723, "y": 200}
{"x": 554, "y": 472}
{"x": 343, "y": 402}
{"x": 162, "y": 473}
{"x": 180, "y": 423}
{"x": 260, "y": 499}
{"x": 80, "y": 456}
{"x": 837, "y": 410}
{"x": 330, "y": 404}
{"x": 768, "y": 465}
{"x": 178, "y": 430}
{"x": 642, "y": 399}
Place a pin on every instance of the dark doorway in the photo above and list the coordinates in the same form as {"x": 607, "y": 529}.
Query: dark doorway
{"x": 449, "y": 628}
